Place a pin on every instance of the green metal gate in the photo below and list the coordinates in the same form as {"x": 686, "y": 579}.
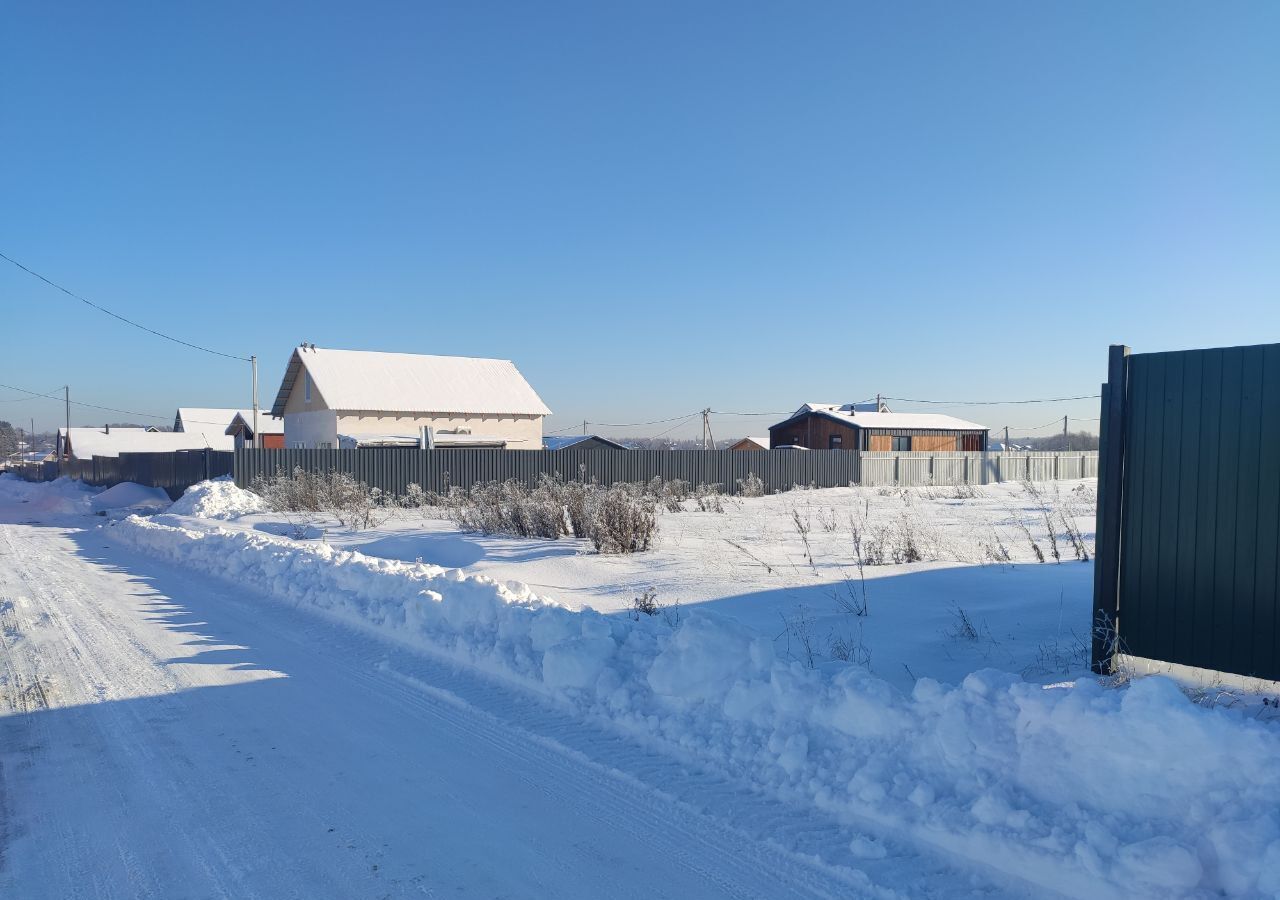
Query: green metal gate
{"x": 1189, "y": 509}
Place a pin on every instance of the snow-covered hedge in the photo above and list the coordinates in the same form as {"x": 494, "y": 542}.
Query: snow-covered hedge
{"x": 1095, "y": 791}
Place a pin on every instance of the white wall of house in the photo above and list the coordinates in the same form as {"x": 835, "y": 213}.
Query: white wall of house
{"x": 311, "y": 429}
{"x": 520, "y": 432}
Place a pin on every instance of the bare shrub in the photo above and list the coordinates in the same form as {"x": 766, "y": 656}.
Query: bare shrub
{"x": 1053, "y": 538}
{"x": 963, "y": 628}
{"x": 1026, "y": 533}
{"x": 709, "y": 498}
{"x": 751, "y": 486}
{"x": 1059, "y": 657}
{"x": 576, "y": 496}
{"x": 414, "y": 496}
{"x": 849, "y": 648}
{"x": 622, "y": 521}
{"x": 995, "y": 550}
{"x": 353, "y": 503}
{"x": 670, "y": 494}
{"x": 797, "y": 629}
{"x": 646, "y": 604}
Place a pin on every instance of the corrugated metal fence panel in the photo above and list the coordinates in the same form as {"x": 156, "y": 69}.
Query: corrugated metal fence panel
{"x": 393, "y": 469}
{"x": 1200, "y": 510}
{"x": 882, "y": 467}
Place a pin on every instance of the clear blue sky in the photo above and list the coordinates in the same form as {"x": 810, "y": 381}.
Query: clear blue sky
{"x": 650, "y": 207}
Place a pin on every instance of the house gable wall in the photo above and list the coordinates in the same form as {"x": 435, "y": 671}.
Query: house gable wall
{"x": 814, "y": 432}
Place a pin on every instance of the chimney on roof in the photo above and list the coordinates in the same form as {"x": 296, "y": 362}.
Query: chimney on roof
{"x": 107, "y": 427}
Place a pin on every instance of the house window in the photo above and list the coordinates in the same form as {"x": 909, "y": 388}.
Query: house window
{"x": 833, "y": 442}
{"x": 306, "y": 385}
{"x": 901, "y": 442}
{"x": 795, "y": 440}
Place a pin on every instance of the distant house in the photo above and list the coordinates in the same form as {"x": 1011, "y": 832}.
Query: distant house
{"x": 270, "y": 434}
{"x": 86, "y": 443}
{"x": 406, "y": 399}
{"x": 751, "y": 443}
{"x": 200, "y": 418}
{"x": 823, "y": 426}
{"x": 580, "y": 442}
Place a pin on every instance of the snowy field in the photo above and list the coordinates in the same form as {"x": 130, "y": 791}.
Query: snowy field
{"x": 201, "y": 703}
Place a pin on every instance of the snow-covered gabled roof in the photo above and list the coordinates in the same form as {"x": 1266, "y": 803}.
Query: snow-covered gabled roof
{"x": 89, "y": 442}
{"x": 373, "y": 381}
{"x": 862, "y": 406}
{"x": 564, "y": 441}
{"x": 208, "y": 417}
{"x": 267, "y": 423}
{"x": 934, "y": 421}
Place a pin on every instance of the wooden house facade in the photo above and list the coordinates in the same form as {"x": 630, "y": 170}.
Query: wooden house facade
{"x": 848, "y": 427}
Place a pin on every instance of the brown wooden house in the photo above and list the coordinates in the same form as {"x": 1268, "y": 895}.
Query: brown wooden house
{"x": 822, "y": 426}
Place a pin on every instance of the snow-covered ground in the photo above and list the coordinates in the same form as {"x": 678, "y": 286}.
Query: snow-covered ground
{"x": 243, "y": 714}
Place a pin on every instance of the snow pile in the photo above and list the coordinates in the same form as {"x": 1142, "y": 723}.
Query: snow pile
{"x": 62, "y": 497}
{"x": 129, "y": 495}
{"x": 1082, "y": 789}
{"x": 219, "y": 499}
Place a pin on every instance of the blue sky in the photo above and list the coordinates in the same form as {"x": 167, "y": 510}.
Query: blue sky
{"x": 651, "y": 207}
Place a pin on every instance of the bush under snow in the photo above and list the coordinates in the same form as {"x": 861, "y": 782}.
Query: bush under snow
{"x": 1081, "y": 788}
{"x": 219, "y": 499}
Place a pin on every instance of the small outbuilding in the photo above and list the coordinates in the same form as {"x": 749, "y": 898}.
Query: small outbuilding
{"x": 751, "y": 443}
{"x": 825, "y": 426}
{"x": 270, "y": 434}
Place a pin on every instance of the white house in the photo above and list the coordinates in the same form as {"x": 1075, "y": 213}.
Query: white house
{"x": 331, "y": 398}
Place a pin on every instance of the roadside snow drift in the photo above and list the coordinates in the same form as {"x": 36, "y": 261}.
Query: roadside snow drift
{"x": 1083, "y": 789}
{"x": 128, "y": 495}
{"x": 62, "y": 497}
{"x": 219, "y": 499}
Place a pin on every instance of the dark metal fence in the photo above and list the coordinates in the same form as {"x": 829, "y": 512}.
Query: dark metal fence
{"x": 1188, "y": 531}
{"x": 173, "y": 471}
{"x": 393, "y": 469}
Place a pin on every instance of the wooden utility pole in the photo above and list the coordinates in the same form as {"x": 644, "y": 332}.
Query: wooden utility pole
{"x": 708, "y": 439}
{"x": 1066, "y": 435}
{"x": 66, "y": 402}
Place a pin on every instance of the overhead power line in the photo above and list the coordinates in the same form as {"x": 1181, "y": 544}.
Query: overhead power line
{"x": 995, "y": 402}
{"x": 114, "y": 315}
{"x": 127, "y": 412}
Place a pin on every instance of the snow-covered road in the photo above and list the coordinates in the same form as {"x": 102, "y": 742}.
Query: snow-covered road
{"x": 165, "y": 735}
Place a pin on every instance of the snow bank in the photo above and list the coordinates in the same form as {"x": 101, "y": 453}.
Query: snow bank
{"x": 218, "y": 499}
{"x": 48, "y": 498}
{"x": 1086, "y": 790}
{"x": 129, "y": 495}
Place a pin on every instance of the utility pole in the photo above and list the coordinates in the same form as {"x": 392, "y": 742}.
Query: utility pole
{"x": 253, "y": 362}
{"x": 584, "y": 426}
{"x": 66, "y": 402}
{"x": 708, "y": 439}
{"x": 1006, "y": 438}
{"x": 878, "y": 402}
{"x": 1066, "y": 435}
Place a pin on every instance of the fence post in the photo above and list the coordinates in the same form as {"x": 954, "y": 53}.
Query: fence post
{"x": 1107, "y": 549}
